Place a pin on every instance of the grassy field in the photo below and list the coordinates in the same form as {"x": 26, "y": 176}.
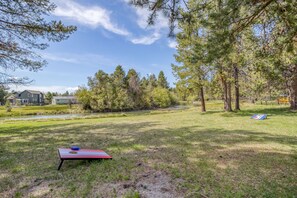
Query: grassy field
{"x": 37, "y": 110}
{"x": 178, "y": 153}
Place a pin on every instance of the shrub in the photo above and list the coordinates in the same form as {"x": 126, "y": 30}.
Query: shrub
{"x": 174, "y": 98}
{"x": 18, "y": 103}
{"x": 161, "y": 97}
{"x": 8, "y": 106}
{"x": 84, "y": 97}
{"x": 192, "y": 99}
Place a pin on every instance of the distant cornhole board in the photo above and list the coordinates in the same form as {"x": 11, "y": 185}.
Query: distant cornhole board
{"x": 259, "y": 116}
{"x": 283, "y": 99}
{"x": 81, "y": 154}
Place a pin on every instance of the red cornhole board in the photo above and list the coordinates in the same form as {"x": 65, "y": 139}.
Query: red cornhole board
{"x": 82, "y": 154}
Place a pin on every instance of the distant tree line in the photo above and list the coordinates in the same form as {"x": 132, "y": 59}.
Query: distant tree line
{"x": 120, "y": 91}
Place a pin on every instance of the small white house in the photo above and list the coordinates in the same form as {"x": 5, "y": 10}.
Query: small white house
{"x": 57, "y": 100}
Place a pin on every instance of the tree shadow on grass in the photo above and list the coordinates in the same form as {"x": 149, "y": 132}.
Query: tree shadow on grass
{"x": 270, "y": 111}
{"x": 284, "y": 111}
{"x": 221, "y": 159}
{"x": 211, "y": 161}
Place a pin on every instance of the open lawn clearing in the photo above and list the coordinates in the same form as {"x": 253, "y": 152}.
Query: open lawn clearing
{"x": 163, "y": 154}
{"x": 37, "y": 110}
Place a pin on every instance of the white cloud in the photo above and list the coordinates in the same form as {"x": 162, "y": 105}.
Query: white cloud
{"x": 96, "y": 16}
{"x": 142, "y": 16}
{"x": 160, "y": 26}
{"x": 85, "y": 59}
{"x": 147, "y": 40}
{"x": 54, "y": 88}
{"x": 92, "y": 16}
{"x": 172, "y": 44}
{"x": 161, "y": 21}
{"x": 54, "y": 57}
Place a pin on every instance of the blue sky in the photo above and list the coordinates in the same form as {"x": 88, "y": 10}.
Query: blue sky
{"x": 110, "y": 32}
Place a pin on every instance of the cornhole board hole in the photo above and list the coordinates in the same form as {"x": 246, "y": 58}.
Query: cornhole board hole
{"x": 82, "y": 154}
{"x": 259, "y": 116}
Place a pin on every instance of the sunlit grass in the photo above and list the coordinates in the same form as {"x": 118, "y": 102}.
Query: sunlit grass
{"x": 37, "y": 110}
{"x": 212, "y": 154}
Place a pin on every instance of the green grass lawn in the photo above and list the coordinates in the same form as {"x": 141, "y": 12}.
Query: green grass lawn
{"x": 37, "y": 110}
{"x": 181, "y": 153}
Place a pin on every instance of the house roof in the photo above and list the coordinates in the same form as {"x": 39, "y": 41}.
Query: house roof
{"x": 12, "y": 96}
{"x": 33, "y": 91}
{"x": 64, "y": 97}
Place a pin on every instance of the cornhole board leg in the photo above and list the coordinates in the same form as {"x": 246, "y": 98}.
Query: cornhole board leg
{"x": 60, "y": 164}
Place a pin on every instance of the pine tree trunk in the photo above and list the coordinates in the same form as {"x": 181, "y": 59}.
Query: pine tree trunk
{"x": 229, "y": 108}
{"x": 203, "y": 109}
{"x": 227, "y": 94}
{"x": 237, "y": 107}
{"x": 293, "y": 89}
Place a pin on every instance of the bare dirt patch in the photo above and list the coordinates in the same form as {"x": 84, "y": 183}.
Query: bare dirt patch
{"x": 148, "y": 183}
{"x": 38, "y": 188}
{"x": 156, "y": 184}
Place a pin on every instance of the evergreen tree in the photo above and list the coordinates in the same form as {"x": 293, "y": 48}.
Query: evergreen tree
{"x": 144, "y": 82}
{"x": 66, "y": 93}
{"x": 152, "y": 82}
{"x": 100, "y": 92}
{"x": 24, "y": 29}
{"x": 117, "y": 92}
{"x": 121, "y": 99}
{"x": 182, "y": 90}
{"x": 191, "y": 53}
{"x": 225, "y": 21}
{"x": 134, "y": 89}
{"x": 48, "y": 97}
{"x": 146, "y": 90}
{"x": 162, "y": 81}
